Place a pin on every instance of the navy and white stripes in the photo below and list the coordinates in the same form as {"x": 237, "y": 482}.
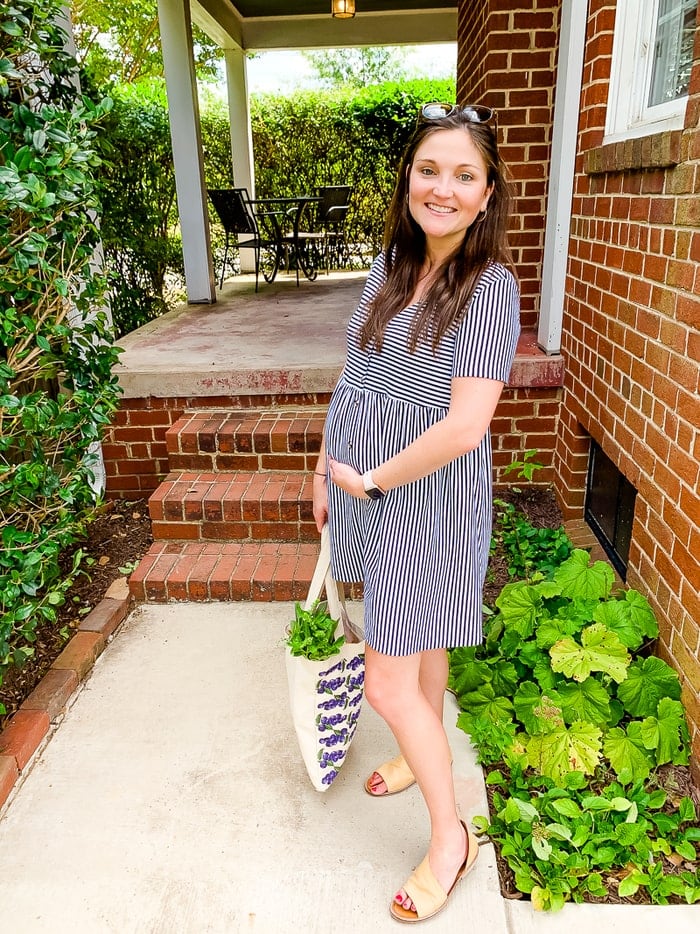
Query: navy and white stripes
{"x": 422, "y": 550}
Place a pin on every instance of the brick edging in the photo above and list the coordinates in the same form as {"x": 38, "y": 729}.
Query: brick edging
{"x": 28, "y": 727}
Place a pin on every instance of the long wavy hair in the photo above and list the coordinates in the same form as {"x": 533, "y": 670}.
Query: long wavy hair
{"x": 484, "y": 242}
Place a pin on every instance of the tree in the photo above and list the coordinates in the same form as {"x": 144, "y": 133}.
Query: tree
{"x": 119, "y": 42}
{"x": 358, "y": 67}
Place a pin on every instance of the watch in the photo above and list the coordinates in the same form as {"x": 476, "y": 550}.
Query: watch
{"x": 371, "y": 488}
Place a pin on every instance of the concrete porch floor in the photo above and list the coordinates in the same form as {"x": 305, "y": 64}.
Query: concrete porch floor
{"x": 281, "y": 339}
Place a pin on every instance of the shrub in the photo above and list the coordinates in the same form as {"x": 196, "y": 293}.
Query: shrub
{"x": 56, "y": 385}
{"x": 574, "y": 722}
{"x": 137, "y": 190}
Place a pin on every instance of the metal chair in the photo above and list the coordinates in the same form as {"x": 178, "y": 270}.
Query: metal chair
{"x": 257, "y": 231}
{"x": 323, "y": 234}
{"x": 332, "y": 213}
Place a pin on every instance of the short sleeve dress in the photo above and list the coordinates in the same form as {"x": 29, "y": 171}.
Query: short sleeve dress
{"x": 421, "y": 550}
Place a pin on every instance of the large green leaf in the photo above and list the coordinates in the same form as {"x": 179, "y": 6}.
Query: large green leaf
{"x": 627, "y": 755}
{"x": 600, "y": 650}
{"x": 631, "y": 618}
{"x": 615, "y": 615}
{"x": 648, "y": 681}
{"x": 577, "y": 579}
{"x": 642, "y": 614}
{"x": 666, "y": 734}
{"x": 504, "y": 677}
{"x": 585, "y": 701}
{"x": 521, "y": 607}
{"x": 538, "y": 712}
{"x": 485, "y": 703}
{"x": 466, "y": 672}
{"x": 576, "y": 748}
{"x": 548, "y": 632}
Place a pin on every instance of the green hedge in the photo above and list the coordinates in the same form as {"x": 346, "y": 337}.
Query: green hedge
{"x": 308, "y": 139}
{"x": 57, "y": 391}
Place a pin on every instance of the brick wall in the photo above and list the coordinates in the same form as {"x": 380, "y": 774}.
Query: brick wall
{"x": 507, "y": 60}
{"x": 134, "y": 450}
{"x": 631, "y": 343}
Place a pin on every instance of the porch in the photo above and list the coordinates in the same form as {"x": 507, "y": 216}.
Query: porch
{"x": 282, "y": 346}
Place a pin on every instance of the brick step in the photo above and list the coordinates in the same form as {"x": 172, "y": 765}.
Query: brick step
{"x": 246, "y": 439}
{"x": 200, "y": 571}
{"x": 234, "y": 506}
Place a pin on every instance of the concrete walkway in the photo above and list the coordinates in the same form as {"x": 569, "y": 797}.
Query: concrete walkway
{"x": 171, "y": 798}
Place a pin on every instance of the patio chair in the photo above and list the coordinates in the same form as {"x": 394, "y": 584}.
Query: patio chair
{"x": 319, "y": 235}
{"x": 332, "y": 213}
{"x": 246, "y": 229}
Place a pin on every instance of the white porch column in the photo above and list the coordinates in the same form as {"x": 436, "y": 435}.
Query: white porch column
{"x": 572, "y": 39}
{"x": 241, "y": 136}
{"x": 183, "y": 108}
{"x": 239, "y": 118}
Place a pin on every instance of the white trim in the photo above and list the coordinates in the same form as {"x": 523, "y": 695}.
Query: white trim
{"x": 241, "y": 135}
{"x": 183, "y": 114}
{"x": 627, "y": 115}
{"x": 572, "y": 41}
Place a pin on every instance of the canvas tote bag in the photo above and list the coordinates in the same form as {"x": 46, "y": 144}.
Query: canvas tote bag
{"x": 325, "y": 696}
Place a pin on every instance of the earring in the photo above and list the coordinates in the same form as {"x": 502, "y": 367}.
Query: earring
{"x": 481, "y": 217}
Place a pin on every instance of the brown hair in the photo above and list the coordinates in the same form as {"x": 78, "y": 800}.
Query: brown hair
{"x": 404, "y": 244}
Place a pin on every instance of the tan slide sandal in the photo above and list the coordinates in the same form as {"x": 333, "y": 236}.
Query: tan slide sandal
{"x": 396, "y": 775}
{"x": 424, "y": 890}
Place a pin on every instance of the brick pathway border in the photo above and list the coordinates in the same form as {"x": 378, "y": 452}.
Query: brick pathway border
{"x": 30, "y": 725}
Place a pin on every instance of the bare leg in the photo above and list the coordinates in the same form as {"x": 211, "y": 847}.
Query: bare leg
{"x": 394, "y": 688}
{"x": 432, "y": 678}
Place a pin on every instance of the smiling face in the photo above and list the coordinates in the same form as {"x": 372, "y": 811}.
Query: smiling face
{"x": 447, "y": 188}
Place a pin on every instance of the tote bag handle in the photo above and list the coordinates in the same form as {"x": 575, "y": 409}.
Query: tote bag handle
{"x": 335, "y": 592}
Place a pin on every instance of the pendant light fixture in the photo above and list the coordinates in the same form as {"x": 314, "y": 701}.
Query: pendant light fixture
{"x": 343, "y": 9}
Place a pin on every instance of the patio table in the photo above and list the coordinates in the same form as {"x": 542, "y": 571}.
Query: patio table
{"x": 295, "y": 206}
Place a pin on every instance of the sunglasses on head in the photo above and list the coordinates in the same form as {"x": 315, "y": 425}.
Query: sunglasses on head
{"x": 475, "y": 113}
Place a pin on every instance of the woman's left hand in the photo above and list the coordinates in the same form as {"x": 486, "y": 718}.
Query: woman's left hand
{"x": 347, "y": 478}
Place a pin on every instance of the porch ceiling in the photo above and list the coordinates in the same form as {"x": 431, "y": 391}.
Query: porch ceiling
{"x": 255, "y": 25}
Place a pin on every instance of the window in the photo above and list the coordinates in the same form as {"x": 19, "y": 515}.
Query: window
{"x": 650, "y": 70}
{"x": 609, "y": 508}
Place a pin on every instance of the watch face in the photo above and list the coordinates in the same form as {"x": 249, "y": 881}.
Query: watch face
{"x": 374, "y": 493}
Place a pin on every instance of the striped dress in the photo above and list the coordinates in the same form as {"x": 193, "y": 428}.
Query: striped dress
{"x": 421, "y": 550}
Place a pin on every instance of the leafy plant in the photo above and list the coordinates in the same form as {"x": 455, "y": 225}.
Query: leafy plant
{"x": 57, "y": 390}
{"x": 527, "y": 549}
{"x": 525, "y": 468}
{"x": 311, "y": 633}
{"x": 572, "y": 723}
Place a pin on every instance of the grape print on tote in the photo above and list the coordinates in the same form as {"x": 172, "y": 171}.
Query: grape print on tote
{"x": 340, "y": 690}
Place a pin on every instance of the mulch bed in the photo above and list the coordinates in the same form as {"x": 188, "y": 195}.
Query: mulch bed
{"x": 116, "y": 541}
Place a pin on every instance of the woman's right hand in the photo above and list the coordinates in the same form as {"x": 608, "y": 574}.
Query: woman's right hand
{"x": 320, "y": 500}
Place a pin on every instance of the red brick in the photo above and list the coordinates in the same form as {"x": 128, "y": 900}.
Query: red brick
{"x": 197, "y": 584}
{"x": 220, "y": 578}
{"x": 221, "y": 531}
{"x": 9, "y": 773}
{"x": 237, "y": 462}
{"x": 53, "y": 692}
{"x": 106, "y": 616}
{"x": 187, "y": 531}
{"x": 80, "y": 653}
{"x": 23, "y": 735}
{"x": 177, "y": 577}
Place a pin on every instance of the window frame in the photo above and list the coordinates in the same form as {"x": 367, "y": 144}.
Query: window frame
{"x": 628, "y": 116}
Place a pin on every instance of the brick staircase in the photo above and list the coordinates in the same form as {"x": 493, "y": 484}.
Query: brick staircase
{"x": 232, "y": 520}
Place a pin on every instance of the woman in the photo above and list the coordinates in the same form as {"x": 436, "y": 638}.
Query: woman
{"x": 404, "y": 475}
